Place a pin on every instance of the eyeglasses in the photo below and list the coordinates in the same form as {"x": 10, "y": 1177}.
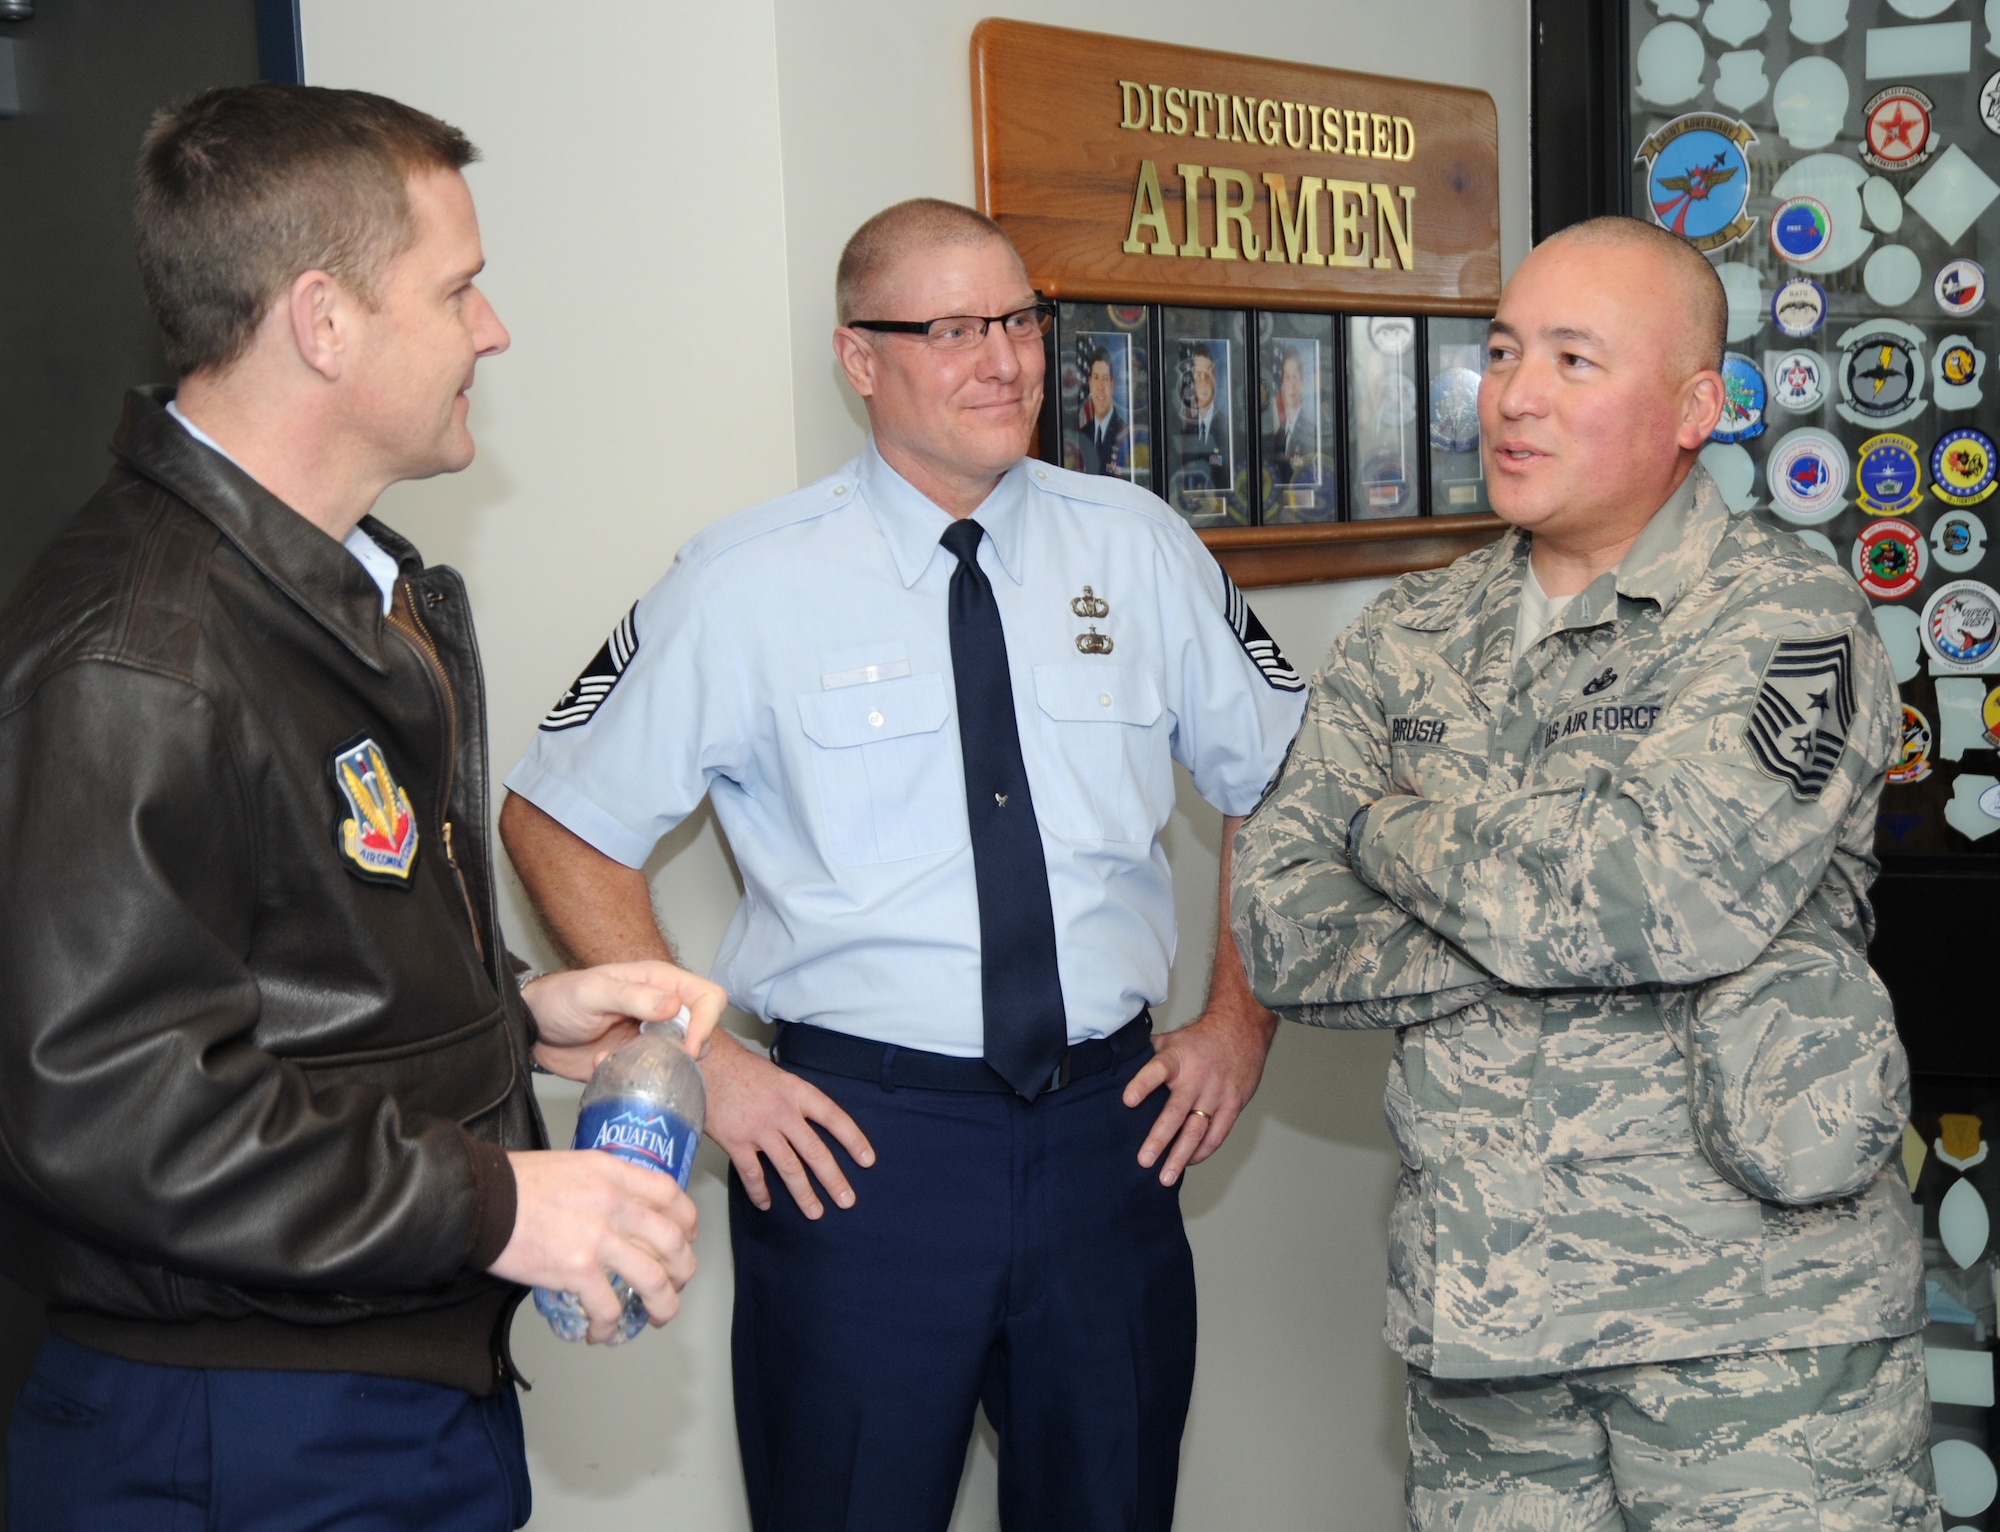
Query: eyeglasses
{"x": 961, "y": 332}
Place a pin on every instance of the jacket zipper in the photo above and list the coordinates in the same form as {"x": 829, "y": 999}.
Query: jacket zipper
{"x": 403, "y": 617}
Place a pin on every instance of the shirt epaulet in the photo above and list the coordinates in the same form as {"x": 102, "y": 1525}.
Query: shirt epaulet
{"x": 819, "y": 499}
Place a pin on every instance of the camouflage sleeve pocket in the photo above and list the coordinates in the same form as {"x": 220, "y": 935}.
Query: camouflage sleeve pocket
{"x": 1797, "y": 1081}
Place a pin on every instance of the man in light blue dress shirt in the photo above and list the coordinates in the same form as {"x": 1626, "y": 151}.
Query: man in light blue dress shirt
{"x": 1017, "y": 1247}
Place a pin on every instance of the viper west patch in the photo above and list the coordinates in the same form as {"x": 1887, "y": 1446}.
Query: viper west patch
{"x": 1258, "y": 643}
{"x": 587, "y": 692}
{"x": 377, "y": 836}
{"x": 1804, "y": 710}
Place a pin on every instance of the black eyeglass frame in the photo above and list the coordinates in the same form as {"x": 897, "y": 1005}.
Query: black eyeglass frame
{"x": 1044, "y": 312}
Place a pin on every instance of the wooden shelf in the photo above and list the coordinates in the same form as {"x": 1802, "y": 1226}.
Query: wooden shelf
{"x": 1347, "y": 550}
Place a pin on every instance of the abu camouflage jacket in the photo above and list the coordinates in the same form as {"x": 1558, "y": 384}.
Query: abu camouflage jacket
{"x": 1646, "y": 1089}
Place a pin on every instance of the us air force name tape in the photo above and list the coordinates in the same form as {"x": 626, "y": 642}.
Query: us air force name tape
{"x": 1257, "y": 643}
{"x": 588, "y": 691}
{"x": 1804, "y": 710}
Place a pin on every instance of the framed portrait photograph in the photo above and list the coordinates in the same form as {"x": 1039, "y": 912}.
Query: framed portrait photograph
{"x": 1105, "y": 399}
{"x": 1457, "y": 359}
{"x": 1298, "y": 418}
{"x": 1205, "y": 415}
{"x": 1384, "y": 461}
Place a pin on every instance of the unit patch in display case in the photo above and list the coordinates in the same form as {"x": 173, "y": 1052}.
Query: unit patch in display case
{"x": 1960, "y": 287}
{"x": 1961, "y": 627}
{"x": 1890, "y": 476}
{"x": 1897, "y": 128}
{"x": 1962, "y": 469}
{"x": 1807, "y": 476}
{"x": 1801, "y": 229}
{"x": 1798, "y": 308}
{"x": 1798, "y": 382}
{"x": 1804, "y": 709}
{"x": 1958, "y": 539}
{"x": 1698, "y": 181}
{"x": 1881, "y": 373}
{"x": 1889, "y": 558}
{"x": 1955, "y": 373}
{"x": 1913, "y": 752}
{"x": 1743, "y": 398}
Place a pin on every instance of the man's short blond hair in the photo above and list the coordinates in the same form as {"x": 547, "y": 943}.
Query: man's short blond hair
{"x": 1700, "y": 291}
{"x": 922, "y": 223}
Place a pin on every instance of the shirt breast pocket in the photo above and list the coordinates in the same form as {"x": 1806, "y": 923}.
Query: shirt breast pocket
{"x": 1105, "y": 778}
{"x": 888, "y": 785}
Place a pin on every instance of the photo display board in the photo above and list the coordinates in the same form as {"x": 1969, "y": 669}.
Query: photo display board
{"x": 1258, "y": 266}
{"x": 1839, "y": 163}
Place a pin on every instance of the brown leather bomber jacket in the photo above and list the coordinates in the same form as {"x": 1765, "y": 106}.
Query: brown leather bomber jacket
{"x": 260, "y": 1054}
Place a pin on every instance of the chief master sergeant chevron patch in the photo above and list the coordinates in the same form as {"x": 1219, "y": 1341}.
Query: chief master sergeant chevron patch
{"x": 1799, "y": 726}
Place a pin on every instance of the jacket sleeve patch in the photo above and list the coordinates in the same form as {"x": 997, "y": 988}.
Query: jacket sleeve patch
{"x": 587, "y": 692}
{"x": 1804, "y": 710}
{"x": 1258, "y": 643}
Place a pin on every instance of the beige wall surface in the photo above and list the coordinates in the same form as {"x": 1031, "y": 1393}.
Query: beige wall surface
{"x": 665, "y": 190}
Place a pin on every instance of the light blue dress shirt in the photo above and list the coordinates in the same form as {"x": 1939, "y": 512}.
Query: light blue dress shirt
{"x": 795, "y": 666}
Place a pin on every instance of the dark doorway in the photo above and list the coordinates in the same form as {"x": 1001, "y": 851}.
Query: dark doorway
{"x": 74, "y": 335}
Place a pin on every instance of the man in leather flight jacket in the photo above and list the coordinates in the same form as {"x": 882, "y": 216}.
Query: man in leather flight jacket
{"x": 267, "y": 1141}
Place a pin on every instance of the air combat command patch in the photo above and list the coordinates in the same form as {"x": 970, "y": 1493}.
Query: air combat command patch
{"x": 377, "y": 836}
{"x": 1798, "y": 728}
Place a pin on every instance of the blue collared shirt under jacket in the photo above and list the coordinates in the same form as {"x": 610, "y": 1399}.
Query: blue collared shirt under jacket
{"x": 795, "y": 666}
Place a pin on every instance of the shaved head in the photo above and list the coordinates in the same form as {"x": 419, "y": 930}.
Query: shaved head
{"x": 880, "y": 244}
{"x": 1695, "y": 290}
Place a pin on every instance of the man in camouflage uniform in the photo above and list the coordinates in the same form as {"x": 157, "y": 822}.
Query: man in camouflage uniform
{"x": 1587, "y": 818}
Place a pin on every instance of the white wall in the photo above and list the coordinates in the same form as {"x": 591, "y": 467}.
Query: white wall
{"x": 666, "y": 188}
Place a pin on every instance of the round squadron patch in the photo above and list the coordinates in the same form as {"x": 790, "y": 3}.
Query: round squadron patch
{"x": 1891, "y": 476}
{"x": 1798, "y": 308}
{"x": 1961, "y": 627}
{"x": 1801, "y": 229}
{"x": 1962, "y": 470}
{"x": 1881, "y": 373}
{"x": 1989, "y": 715}
{"x": 1958, "y": 539}
{"x": 1989, "y": 102}
{"x": 1955, "y": 373}
{"x": 1697, "y": 179}
{"x": 1888, "y": 559}
{"x": 1960, "y": 287}
{"x": 1898, "y": 128}
{"x": 1743, "y": 399}
{"x": 1798, "y": 382}
{"x": 1913, "y": 752}
{"x": 1807, "y": 475}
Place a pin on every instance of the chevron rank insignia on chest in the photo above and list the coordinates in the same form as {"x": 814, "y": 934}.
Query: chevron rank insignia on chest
{"x": 1804, "y": 710}
{"x": 378, "y": 834}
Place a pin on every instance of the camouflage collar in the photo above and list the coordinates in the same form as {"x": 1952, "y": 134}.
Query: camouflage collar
{"x": 1670, "y": 555}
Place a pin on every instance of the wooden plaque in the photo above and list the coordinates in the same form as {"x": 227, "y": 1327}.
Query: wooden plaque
{"x": 1087, "y": 149}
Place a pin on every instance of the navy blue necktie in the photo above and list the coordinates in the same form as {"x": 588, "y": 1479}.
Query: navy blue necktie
{"x": 1026, "y": 1029}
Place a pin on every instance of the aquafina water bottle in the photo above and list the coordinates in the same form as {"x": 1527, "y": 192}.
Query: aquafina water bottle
{"x": 645, "y": 1104}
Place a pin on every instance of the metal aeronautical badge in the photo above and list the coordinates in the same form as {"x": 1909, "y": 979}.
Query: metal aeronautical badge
{"x": 1913, "y": 753}
{"x": 1801, "y": 229}
{"x": 1955, "y": 373}
{"x": 1896, "y": 128}
{"x": 1881, "y": 373}
{"x": 1090, "y": 604}
{"x": 1960, "y": 287}
{"x": 1962, "y": 470}
{"x": 1888, "y": 560}
{"x": 1804, "y": 709}
{"x": 1798, "y": 382}
{"x": 1697, "y": 179}
{"x": 377, "y": 836}
{"x": 1091, "y": 607}
{"x": 1798, "y": 308}
{"x": 1742, "y": 400}
{"x": 1891, "y": 477}
{"x": 1961, "y": 627}
{"x": 1958, "y": 539}
{"x": 1807, "y": 475}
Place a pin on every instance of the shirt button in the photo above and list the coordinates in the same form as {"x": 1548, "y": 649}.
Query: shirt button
{"x": 840, "y": 489}
{"x": 1041, "y": 473}
{"x": 874, "y": 720}
{"x": 1104, "y": 699}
